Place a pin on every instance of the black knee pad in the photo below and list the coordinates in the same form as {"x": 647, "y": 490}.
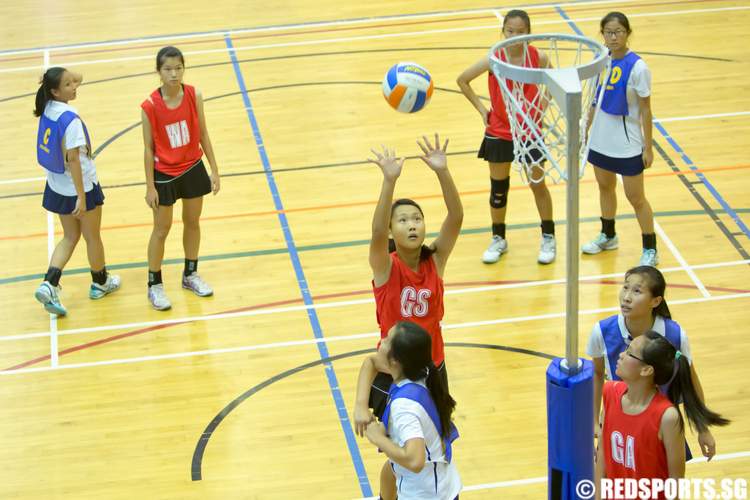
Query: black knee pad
{"x": 499, "y": 192}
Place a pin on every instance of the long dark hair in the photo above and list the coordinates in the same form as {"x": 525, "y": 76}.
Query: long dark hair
{"x": 518, "y": 13}
{"x": 50, "y": 81}
{"x": 656, "y": 286}
{"x": 411, "y": 346}
{"x": 675, "y": 370}
{"x": 616, "y": 16}
{"x": 425, "y": 252}
{"x": 165, "y": 52}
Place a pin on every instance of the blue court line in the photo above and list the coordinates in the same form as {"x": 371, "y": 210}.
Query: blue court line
{"x": 312, "y": 315}
{"x": 570, "y": 22}
{"x": 711, "y": 189}
{"x": 692, "y": 166}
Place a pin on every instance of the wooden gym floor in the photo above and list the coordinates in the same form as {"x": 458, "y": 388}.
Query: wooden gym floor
{"x": 248, "y": 394}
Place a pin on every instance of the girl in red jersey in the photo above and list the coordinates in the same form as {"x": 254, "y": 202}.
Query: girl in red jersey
{"x": 407, "y": 276}
{"x": 497, "y": 145}
{"x": 174, "y": 129}
{"x": 643, "y": 432}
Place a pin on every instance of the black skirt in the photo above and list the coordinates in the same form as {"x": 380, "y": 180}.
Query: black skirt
{"x": 192, "y": 183}
{"x": 498, "y": 150}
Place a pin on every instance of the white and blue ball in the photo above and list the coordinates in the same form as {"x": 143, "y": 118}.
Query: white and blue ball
{"x": 407, "y": 87}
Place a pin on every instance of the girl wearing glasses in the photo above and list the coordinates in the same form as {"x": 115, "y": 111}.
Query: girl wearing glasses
{"x": 621, "y": 140}
{"x": 643, "y": 431}
{"x": 642, "y": 309}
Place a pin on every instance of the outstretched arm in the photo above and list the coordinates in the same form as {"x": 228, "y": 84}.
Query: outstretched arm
{"x": 434, "y": 157}
{"x": 380, "y": 260}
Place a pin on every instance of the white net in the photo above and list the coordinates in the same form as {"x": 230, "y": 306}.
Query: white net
{"x": 527, "y": 69}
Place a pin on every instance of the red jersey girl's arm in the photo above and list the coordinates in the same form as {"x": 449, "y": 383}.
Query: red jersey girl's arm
{"x": 380, "y": 259}
{"x": 152, "y": 197}
{"x": 205, "y": 139}
{"x": 464, "y": 83}
{"x": 673, "y": 438}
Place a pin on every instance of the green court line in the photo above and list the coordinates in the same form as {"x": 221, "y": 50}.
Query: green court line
{"x": 338, "y": 244}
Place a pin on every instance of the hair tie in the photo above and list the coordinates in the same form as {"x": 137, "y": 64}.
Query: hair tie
{"x": 677, "y": 355}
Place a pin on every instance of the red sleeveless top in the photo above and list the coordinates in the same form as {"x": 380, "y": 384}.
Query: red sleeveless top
{"x": 497, "y": 123}
{"x": 632, "y": 448}
{"x": 415, "y": 297}
{"x": 176, "y": 132}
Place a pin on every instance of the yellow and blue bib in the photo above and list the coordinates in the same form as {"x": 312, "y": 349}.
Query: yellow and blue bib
{"x": 615, "y": 101}
{"x": 49, "y": 150}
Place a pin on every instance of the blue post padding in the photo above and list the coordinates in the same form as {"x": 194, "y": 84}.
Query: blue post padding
{"x": 570, "y": 428}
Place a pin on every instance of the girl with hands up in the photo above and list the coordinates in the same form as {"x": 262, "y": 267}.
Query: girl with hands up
{"x": 407, "y": 274}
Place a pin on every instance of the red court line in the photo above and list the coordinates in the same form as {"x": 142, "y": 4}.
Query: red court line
{"x": 140, "y": 331}
{"x": 365, "y": 203}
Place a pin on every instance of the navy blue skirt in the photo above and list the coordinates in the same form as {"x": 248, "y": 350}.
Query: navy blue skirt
{"x": 64, "y": 205}
{"x": 623, "y": 166}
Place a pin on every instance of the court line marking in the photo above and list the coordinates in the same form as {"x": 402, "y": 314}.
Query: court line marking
{"x": 302, "y": 283}
{"x": 677, "y": 255}
{"x": 714, "y": 192}
{"x": 662, "y": 120}
{"x": 342, "y": 22}
{"x": 53, "y": 340}
{"x": 329, "y": 339}
{"x": 543, "y": 479}
{"x": 345, "y": 303}
{"x": 368, "y": 37}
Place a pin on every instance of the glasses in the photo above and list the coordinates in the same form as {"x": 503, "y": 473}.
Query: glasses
{"x": 627, "y": 351}
{"x": 616, "y": 33}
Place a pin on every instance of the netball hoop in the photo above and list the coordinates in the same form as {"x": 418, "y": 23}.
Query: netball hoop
{"x": 549, "y": 111}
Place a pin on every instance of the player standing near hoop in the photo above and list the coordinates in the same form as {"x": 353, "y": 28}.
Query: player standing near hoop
{"x": 497, "y": 144}
{"x": 621, "y": 140}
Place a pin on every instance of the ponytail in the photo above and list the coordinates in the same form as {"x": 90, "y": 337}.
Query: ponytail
{"x": 50, "y": 80}
{"x": 682, "y": 389}
{"x": 672, "y": 368}
{"x": 444, "y": 403}
{"x": 412, "y": 348}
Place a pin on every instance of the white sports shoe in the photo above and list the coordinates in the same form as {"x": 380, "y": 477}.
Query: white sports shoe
{"x": 649, "y": 257}
{"x": 601, "y": 242}
{"x": 158, "y": 298}
{"x": 49, "y": 297}
{"x": 98, "y": 291}
{"x": 548, "y": 249}
{"x": 498, "y": 246}
{"x": 197, "y": 285}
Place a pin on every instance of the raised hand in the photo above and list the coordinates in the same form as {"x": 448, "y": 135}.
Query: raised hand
{"x": 388, "y": 163}
{"x": 434, "y": 156}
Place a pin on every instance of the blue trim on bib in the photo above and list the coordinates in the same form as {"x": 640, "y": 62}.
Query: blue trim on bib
{"x": 421, "y": 395}
{"x": 49, "y": 140}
